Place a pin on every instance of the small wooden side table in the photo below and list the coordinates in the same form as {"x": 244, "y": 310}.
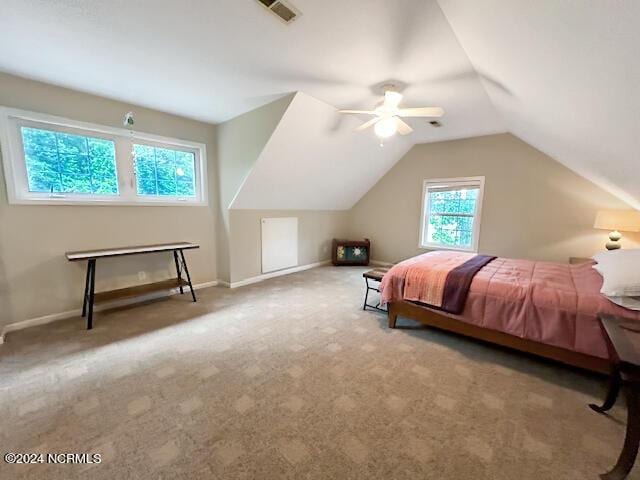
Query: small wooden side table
{"x": 350, "y": 252}
{"x": 578, "y": 260}
{"x": 623, "y": 340}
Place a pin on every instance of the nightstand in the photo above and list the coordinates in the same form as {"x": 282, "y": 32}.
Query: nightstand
{"x": 623, "y": 342}
{"x": 576, "y": 260}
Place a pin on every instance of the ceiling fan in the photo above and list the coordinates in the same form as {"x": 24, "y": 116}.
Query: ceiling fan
{"x": 387, "y": 116}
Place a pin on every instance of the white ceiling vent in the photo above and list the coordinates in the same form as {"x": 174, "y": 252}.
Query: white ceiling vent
{"x": 281, "y": 9}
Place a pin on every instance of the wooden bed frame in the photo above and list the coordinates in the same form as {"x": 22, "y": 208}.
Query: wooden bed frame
{"x": 432, "y": 318}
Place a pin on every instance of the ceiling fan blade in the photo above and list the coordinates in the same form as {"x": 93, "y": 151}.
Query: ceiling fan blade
{"x": 403, "y": 127}
{"x": 368, "y": 124}
{"x": 421, "y": 112}
{"x": 364, "y": 112}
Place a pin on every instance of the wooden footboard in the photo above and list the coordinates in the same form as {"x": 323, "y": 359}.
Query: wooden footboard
{"x": 432, "y": 318}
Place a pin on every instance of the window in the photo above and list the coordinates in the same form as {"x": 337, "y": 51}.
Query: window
{"x": 50, "y": 160}
{"x": 164, "y": 172}
{"x": 451, "y": 213}
{"x": 64, "y": 163}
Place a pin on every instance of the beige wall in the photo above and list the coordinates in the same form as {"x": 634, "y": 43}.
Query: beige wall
{"x": 240, "y": 142}
{"x": 35, "y": 278}
{"x": 316, "y": 229}
{"x": 533, "y": 206}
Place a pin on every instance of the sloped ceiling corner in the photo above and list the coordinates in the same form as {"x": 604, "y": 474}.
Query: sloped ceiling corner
{"x": 241, "y": 140}
{"x": 314, "y": 161}
{"x": 565, "y": 78}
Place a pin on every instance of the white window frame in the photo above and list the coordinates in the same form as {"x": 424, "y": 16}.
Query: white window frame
{"x": 425, "y": 211}
{"x": 15, "y": 171}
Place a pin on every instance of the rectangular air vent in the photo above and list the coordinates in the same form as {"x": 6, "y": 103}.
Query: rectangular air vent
{"x": 281, "y": 9}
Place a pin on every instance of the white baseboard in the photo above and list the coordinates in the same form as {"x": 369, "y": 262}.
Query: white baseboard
{"x": 54, "y": 317}
{"x": 381, "y": 263}
{"x": 33, "y": 322}
{"x": 266, "y": 276}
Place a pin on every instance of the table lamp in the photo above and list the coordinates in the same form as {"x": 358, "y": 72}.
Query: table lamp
{"x": 616, "y": 220}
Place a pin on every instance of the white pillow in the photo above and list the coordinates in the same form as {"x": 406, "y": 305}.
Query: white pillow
{"x": 620, "y": 254}
{"x": 620, "y": 270}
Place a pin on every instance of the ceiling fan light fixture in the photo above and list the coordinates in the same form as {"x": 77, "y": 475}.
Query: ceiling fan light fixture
{"x": 388, "y": 118}
{"x": 387, "y": 127}
{"x": 392, "y": 98}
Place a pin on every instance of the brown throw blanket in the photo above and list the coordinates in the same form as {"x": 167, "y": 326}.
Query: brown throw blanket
{"x": 438, "y": 279}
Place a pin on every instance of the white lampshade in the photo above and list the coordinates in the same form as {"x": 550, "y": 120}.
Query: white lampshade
{"x": 622, "y": 220}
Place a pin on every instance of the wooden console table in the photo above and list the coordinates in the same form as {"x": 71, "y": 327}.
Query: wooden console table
{"x": 90, "y": 256}
{"x": 623, "y": 341}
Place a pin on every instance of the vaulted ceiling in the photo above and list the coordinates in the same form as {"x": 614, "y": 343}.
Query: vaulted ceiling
{"x": 565, "y": 77}
{"x": 314, "y": 161}
{"x": 213, "y": 60}
{"x": 561, "y": 75}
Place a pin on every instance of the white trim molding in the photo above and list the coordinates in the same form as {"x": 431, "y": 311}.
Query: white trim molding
{"x": 267, "y": 276}
{"x": 54, "y": 317}
{"x": 451, "y": 184}
{"x": 33, "y": 322}
{"x": 15, "y": 169}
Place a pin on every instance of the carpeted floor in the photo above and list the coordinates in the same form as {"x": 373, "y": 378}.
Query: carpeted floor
{"x": 289, "y": 378}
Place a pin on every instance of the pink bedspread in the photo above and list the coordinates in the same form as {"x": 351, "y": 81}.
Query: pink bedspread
{"x": 552, "y": 303}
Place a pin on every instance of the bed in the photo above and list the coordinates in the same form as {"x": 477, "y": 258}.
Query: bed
{"x": 547, "y": 309}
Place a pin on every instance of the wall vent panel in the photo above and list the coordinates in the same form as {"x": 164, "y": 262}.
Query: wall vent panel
{"x": 279, "y": 243}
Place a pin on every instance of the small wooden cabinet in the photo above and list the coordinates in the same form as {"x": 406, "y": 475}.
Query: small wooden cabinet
{"x": 351, "y": 252}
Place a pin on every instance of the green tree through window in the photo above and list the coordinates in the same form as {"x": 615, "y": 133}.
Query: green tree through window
{"x": 59, "y": 162}
{"x": 451, "y": 216}
{"x": 164, "y": 171}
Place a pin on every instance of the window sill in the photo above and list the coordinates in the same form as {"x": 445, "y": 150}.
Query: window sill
{"x": 446, "y": 247}
{"x": 104, "y": 202}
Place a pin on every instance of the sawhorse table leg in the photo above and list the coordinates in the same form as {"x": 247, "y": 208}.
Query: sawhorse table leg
{"x": 181, "y": 265}
{"x": 89, "y": 292}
